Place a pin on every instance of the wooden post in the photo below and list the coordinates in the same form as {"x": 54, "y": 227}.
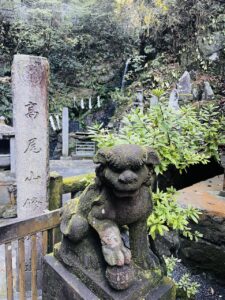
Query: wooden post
{"x": 55, "y": 202}
{"x": 55, "y": 191}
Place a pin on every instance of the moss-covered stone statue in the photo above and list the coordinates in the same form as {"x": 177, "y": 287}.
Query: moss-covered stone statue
{"x": 94, "y": 246}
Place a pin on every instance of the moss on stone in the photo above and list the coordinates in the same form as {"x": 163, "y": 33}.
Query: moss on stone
{"x": 78, "y": 183}
{"x": 55, "y": 191}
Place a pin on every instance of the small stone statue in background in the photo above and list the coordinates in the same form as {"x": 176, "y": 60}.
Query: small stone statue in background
{"x": 119, "y": 200}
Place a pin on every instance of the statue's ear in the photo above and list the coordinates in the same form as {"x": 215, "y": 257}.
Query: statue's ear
{"x": 152, "y": 157}
{"x": 100, "y": 157}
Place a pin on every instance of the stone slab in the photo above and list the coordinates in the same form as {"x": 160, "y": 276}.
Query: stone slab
{"x": 208, "y": 253}
{"x": 205, "y": 196}
{"x": 30, "y": 117}
{"x": 61, "y": 284}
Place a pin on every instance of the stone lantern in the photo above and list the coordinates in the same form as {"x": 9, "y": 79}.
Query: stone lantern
{"x": 7, "y": 140}
{"x": 139, "y": 101}
{"x": 7, "y": 171}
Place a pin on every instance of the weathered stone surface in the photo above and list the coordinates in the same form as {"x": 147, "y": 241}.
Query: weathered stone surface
{"x": 9, "y": 212}
{"x": 92, "y": 247}
{"x": 5, "y": 130}
{"x": 184, "y": 87}
{"x": 154, "y": 101}
{"x": 173, "y": 100}
{"x": 55, "y": 191}
{"x": 204, "y": 256}
{"x": 214, "y": 57}
{"x": 62, "y": 284}
{"x": 196, "y": 91}
{"x": 30, "y": 113}
{"x": 120, "y": 278}
{"x": 168, "y": 244}
{"x": 29, "y": 82}
{"x": 7, "y": 194}
{"x": 211, "y": 44}
{"x": 208, "y": 93}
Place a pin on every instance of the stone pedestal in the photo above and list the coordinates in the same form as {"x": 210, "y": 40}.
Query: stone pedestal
{"x": 59, "y": 283}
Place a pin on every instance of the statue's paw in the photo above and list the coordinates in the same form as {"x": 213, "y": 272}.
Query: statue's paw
{"x": 113, "y": 256}
{"x": 127, "y": 255}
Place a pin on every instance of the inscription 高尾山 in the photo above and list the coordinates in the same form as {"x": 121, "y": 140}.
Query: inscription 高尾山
{"x": 32, "y": 113}
{"x": 32, "y": 146}
{"x": 32, "y": 177}
{"x": 34, "y": 202}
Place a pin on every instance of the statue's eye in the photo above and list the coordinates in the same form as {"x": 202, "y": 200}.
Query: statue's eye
{"x": 136, "y": 168}
{"x": 115, "y": 169}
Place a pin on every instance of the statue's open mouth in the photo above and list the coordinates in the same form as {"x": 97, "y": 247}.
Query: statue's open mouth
{"x": 125, "y": 194}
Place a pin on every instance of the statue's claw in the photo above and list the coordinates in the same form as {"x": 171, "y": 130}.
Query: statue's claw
{"x": 116, "y": 256}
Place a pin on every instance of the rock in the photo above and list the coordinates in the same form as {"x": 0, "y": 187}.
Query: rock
{"x": 120, "y": 278}
{"x": 204, "y": 256}
{"x": 173, "y": 101}
{"x": 214, "y": 57}
{"x": 2, "y": 209}
{"x": 10, "y": 212}
{"x": 184, "y": 87}
{"x": 196, "y": 92}
{"x": 211, "y": 44}
{"x": 208, "y": 93}
{"x": 154, "y": 101}
{"x": 168, "y": 244}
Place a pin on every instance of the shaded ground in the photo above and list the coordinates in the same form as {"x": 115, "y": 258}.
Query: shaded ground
{"x": 208, "y": 289}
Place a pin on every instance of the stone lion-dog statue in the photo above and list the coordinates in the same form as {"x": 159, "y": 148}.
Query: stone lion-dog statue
{"x": 119, "y": 200}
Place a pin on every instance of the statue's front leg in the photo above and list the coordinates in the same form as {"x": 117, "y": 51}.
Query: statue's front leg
{"x": 113, "y": 249}
{"x": 141, "y": 253}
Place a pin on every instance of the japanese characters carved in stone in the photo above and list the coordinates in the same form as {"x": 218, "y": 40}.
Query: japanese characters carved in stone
{"x": 118, "y": 201}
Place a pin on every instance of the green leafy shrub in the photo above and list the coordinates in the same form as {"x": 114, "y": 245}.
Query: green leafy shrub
{"x": 5, "y": 101}
{"x": 181, "y": 138}
{"x": 186, "y": 288}
{"x": 169, "y": 215}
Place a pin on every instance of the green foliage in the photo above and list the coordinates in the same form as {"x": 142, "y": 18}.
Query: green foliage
{"x": 186, "y": 288}
{"x": 171, "y": 263}
{"x": 5, "y": 101}
{"x": 81, "y": 40}
{"x": 168, "y": 214}
{"x": 181, "y": 138}
{"x": 213, "y": 122}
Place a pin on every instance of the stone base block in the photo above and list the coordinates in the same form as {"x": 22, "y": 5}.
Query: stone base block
{"x": 59, "y": 283}
{"x": 65, "y": 157}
